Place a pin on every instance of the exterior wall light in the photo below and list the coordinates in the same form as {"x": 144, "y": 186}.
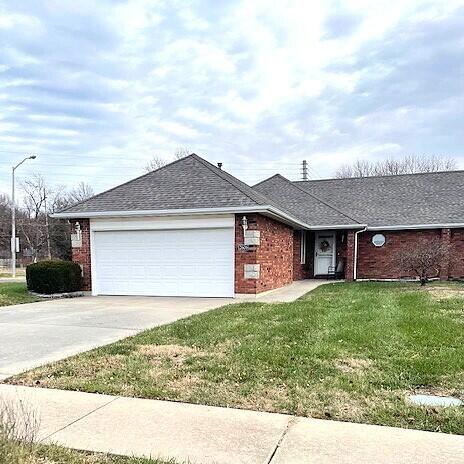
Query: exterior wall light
{"x": 76, "y": 237}
{"x": 244, "y": 223}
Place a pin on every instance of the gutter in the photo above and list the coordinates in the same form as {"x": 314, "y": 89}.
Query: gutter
{"x": 184, "y": 212}
{"x": 264, "y": 209}
{"x": 355, "y": 257}
{"x": 419, "y": 226}
{"x": 153, "y": 212}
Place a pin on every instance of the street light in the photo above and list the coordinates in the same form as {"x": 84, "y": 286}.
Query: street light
{"x": 13, "y": 215}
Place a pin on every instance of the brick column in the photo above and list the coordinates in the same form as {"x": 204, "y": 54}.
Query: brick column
{"x": 81, "y": 255}
{"x": 445, "y": 264}
{"x": 349, "y": 271}
{"x": 244, "y": 256}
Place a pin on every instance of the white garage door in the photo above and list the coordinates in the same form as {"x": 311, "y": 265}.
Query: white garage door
{"x": 194, "y": 262}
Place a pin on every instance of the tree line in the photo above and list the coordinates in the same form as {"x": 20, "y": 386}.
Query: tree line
{"x": 409, "y": 164}
{"x": 40, "y": 236}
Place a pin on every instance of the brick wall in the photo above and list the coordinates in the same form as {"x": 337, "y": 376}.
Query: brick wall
{"x": 303, "y": 271}
{"x": 243, "y": 285}
{"x": 456, "y": 262}
{"x": 349, "y": 256}
{"x": 82, "y": 255}
{"x": 274, "y": 254}
{"x": 379, "y": 262}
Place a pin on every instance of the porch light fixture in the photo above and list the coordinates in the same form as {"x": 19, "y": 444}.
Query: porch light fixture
{"x": 77, "y": 228}
{"x": 244, "y": 223}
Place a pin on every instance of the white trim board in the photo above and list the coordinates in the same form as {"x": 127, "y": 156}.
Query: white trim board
{"x": 267, "y": 210}
{"x": 418, "y": 226}
{"x": 156, "y": 223}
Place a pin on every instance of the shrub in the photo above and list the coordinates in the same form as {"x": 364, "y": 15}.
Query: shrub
{"x": 54, "y": 277}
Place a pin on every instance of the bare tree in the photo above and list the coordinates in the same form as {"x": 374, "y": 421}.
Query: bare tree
{"x": 5, "y": 224}
{"x": 34, "y": 222}
{"x": 409, "y": 164}
{"x": 423, "y": 259}
{"x": 181, "y": 152}
{"x": 81, "y": 192}
{"x": 157, "y": 162}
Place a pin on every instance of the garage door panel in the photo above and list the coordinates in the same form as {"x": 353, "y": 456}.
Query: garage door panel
{"x": 196, "y": 262}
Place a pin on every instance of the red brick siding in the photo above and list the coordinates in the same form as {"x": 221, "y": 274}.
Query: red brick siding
{"x": 274, "y": 255}
{"x": 243, "y": 285}
{"x": 82, "y": 255}
{"x": 341, "y": 248}
{"x": 445, "y": 264}
{"x": 349, "y": 256}
{"x": 379, "y": 262}
{"x": 456, "y": 262}
{"x": 303, "y": 271}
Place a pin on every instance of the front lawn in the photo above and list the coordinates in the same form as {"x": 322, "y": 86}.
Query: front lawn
{"x": 15, "y": 293}
{"x": 347, "y": 352}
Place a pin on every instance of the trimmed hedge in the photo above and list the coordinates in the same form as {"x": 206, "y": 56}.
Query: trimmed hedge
{"x": 54, "y": 277}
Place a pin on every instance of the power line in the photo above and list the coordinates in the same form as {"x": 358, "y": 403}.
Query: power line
{"x": 106, "y": 156}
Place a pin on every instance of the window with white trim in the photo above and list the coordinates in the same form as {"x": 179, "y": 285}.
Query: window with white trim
{"x": 303, "y": 247}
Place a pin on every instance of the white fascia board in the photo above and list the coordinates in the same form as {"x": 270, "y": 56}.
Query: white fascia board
{"x": 156, "y": 212}
{"x": 182, "y": 212}
{"x": 337, "y": 227}
{"x": 270, "y": 210}
{"x": 418, "y": 226}
{"x": 291, "y": 219}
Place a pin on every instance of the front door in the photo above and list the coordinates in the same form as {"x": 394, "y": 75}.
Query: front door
{"x": 324, "y": 253}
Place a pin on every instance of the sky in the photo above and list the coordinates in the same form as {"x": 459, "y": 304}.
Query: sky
{"x": 96, "y": 88}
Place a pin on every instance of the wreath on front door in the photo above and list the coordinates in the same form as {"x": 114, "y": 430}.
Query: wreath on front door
{"x": 325, "y": 245}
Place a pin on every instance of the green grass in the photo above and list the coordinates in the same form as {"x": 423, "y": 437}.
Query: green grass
{"x": 17, "y": 453}
{"x": 15, "y": 293}
{"x": 348, "y": 352}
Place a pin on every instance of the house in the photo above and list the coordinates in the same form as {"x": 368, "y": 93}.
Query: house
{"x": 192, "y": 229}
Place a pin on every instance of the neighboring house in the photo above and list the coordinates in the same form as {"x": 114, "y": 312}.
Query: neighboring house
{"x": 191, "y": 229}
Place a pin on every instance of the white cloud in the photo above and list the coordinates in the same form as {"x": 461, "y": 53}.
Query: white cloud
{"x": 255, "y": 84}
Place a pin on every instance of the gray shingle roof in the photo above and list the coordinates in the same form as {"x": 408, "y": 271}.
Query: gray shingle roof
{"x": 302, "y": 204}
{"x": 408, "y": 199}
{"x": 188, "y": 183}
{"x": 192, "y": 182}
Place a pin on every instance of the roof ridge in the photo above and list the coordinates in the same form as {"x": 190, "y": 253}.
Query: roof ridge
{"x": 268, "y": 178}
{"x": 125, "y": 183}
{"x": 311, "y": 195}
{"x": 452, "y": 171}
{"x": 220, "y": 173}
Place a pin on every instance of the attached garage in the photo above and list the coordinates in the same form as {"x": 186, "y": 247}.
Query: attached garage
{"x": 163, "y": 257}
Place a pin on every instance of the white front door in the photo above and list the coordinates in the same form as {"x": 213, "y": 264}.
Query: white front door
{"x": 324, "y": 253}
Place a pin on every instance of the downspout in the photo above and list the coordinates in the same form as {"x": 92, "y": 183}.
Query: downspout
{"x": 355, "y": 259}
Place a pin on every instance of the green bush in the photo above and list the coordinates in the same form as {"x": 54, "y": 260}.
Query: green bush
{"x": 54, "y": 277}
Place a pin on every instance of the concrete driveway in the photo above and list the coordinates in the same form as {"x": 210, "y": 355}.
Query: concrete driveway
{"x": 37, "y": 333}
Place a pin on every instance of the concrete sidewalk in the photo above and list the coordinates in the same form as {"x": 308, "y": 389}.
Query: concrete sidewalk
{"x": 206, "y": 435}
{"x": 286, "y": 294}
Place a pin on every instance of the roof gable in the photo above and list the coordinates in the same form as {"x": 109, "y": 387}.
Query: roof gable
{"x": 302, "y": 204}
{"x": 188, "y": 183}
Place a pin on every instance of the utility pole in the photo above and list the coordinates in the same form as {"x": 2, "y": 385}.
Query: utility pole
{"x": 49, "y": 252}
{"x": 305, "y": 170}
{"x": 13, "y": 215}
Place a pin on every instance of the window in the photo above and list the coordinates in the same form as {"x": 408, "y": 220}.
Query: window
{"x": 303, "y": 247}
{"x": 378, "y": 240}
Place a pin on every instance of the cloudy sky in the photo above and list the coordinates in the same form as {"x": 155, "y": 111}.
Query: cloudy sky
{"x": 96, "y": 88}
